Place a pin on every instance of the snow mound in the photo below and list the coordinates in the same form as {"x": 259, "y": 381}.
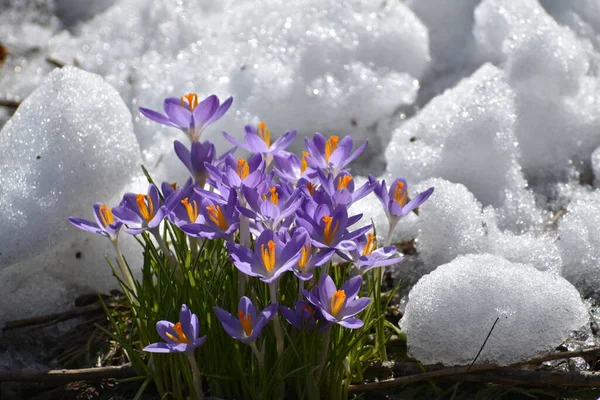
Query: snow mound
{"x": 557, "y": 123}
{"x": 579, "y": 242}
{"x": 451, "y": 310}
{"x": 69, "y": 145}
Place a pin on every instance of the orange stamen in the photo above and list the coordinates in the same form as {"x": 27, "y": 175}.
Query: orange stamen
{"x": 330, "y": 146}
{"x": 304, "y": 257}
{"x": 174, "y": 185}
{"x": 106, "y": 215}
{"x": 179, "y": 336}
{"x": 370, "y": 245}
{"x": 400, "y": 194}
{"x": 268, "y": 255}
{"x": 216, "y": 215}
{"x": 243, "y": 169}
{"x": 192, "y": 100}
{"x": 145, "y": 205}
{"x": 274, "y": 196}
{"x": 192, "y": 210}
{"x": 246, "y": 322}
{"x": 337, "y": 301}
{"x": 264, "y": 133}
{"x": 327, "y": 231}
{"x": 304, "y": 162}
{"x": 343, "y": 182}
{"x": 308, "y": 308}
{"x": 311, "y": 188}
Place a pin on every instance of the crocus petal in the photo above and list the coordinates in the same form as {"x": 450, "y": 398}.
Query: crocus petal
{"x": 243, "y": 258}
{"x": 87, "y": 226}
{"x": 256, "y": 144}
{"x": 127, "y": 216}
{"x": 356, "y": 153}
{"x": 326, "y": 288}
{"x": 290, "y": 315}
{"x": 155, "y": 116}
{"x": 284, "y": 141}
{"x": 352, "y": 287}
{"x": 353, "y": 307}
{"x": 185, "y": 317}
{"x": 221, "y": 110}
{"x": 263, "y": 318}
{"x": 183, "y": 154}
{"x": 417, "y": 201}
{"x": 162, "y": 327}
{"x": 236, "y": 142}
{"x": 160, "y": 347}
{"x": 351, "y": 323}
{"x": 205, "y": 110}
{"x": 179, "y": 115}
{"x": 230, "y": 324}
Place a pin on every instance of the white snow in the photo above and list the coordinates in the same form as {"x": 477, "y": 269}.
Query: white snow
{"x": 69, "y": 145}
{"x": 495, "y": 103}
{"x": 580, "y": 242}
{"x": 451, "y": 310}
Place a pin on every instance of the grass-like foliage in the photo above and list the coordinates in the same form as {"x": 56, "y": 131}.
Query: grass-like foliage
{"x": 256, "y": 283}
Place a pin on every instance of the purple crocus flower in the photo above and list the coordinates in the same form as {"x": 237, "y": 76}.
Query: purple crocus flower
{"x": 189, "y": 115}
{"x": 310, "y": 258}
{"x": 395, "y": 200}
{"x": 237, "y": 172}
{"x": 304, "y": 316}
{"x": 328, "y": 229}
{"x": 341, "y": 188}
{"x": 290, "y": 168}
{"x": 270, "y": 258}
{"x": 194, "y": 160}
{"x": 258, "y": 140}
{"x": 339, "y": 306}
{"x": 331, "y": 154}
{"x": 367, "y": 256}
{"x": 106, "y": 225}
{"x": 248, "y": 325}
{"x": 181, "y": 337}
{"x": 217, "y": 217}
{"x": 187, "y": 210}
{"x": 270, "y": 207}
{"x": 144, "y": 211}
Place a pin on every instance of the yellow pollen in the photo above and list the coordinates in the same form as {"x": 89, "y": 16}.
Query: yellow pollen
{"x": 400, "y": 194}
{"x": 243, "y": 169}
{"x": 246, "y": 322}
{"x": 327, "y": 231}
{"x": 343, "y": 182}
{"x": 145, "y": 205}
{"x": 179, "y": 336}
{"x": 264, "y": 133}
{"x": 106, "y": 215}
{"x": 337, "y": 301}
{"x": 370, "y": 245}
{"x": 304, "y": 257}
{"x": 304, "y": 163}
{"x": 192, "y": 100}
{"x": 192, "y": 209}
{"x": 330, "y": 146}
{"x": 274, "y": 196}
{"x": 216, "y": 215}
{"x": 268, "y": 255}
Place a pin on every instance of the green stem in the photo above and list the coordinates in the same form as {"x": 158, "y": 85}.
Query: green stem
{"x": 167, "y": 252}
{"x": 197, "y": 379}
{"x": 125, "y": 272}
{"x": 276, "y": 322}
{"x": 322, "y": 362}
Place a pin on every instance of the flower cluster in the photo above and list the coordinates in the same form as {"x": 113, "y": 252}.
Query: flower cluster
{"x": 275, "y": 213}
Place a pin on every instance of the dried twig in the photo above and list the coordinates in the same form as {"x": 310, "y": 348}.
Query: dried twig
{"x": 55, "y": 62}
{"x": 70, "y": 375}
{"x": 464, "y": 373}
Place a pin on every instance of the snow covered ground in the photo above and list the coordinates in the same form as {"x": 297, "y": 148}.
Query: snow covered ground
{"x": 496, "y": 103}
